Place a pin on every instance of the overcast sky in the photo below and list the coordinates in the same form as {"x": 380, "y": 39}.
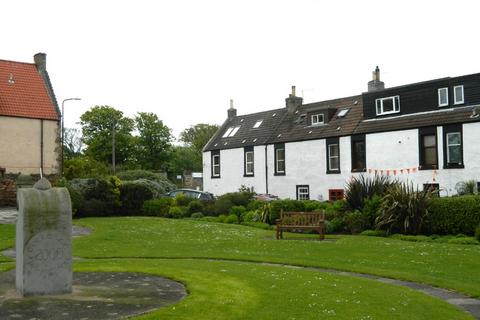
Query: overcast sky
{"x": 184, "y": 60}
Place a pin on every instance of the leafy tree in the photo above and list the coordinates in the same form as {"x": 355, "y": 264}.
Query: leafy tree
{"x": 198, "y": 135}
{"x": 184, "y": 158}
{"x": 153, "y": 143}
{"x": 72, "y": 143}
{"x": 97, "y": 128}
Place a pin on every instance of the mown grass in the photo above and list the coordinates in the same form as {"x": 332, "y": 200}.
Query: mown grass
{"x": 240, "y": 290}
{"x": 7, "y": 239}
{"x": 445, "y": 265}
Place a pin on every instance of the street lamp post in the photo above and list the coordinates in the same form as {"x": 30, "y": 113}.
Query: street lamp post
{"x": 63, "y": 126}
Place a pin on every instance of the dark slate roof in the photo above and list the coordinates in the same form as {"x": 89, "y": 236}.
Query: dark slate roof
{"x": 291, "y": 130}
{"x": 418, "y": 120}
{"x": 280, "y": 126}
{"x": 247, "y": 135}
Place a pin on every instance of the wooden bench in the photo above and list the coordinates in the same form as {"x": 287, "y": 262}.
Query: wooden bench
{"x": 301, "y": 221}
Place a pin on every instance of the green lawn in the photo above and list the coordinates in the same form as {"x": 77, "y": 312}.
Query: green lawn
{"x": 242, "y": 288}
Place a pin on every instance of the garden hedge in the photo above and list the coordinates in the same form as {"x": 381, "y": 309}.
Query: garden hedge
{"x": 454, "y": 215}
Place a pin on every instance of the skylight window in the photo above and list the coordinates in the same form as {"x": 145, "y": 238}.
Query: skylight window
{"x": 257, "y": 124}
{"x": 227, "y": 133}
{"x": 234, "y": 131}
{"x": 343, "y": 113}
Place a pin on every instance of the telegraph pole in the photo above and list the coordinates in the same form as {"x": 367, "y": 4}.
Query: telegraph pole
{"x": 113, "y": 146}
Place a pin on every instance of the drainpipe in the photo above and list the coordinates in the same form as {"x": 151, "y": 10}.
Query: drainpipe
{"x": 41, "y": 145}
{"x": 266, "y": 171}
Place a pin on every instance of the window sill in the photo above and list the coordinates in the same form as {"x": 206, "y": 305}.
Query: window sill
{"x": 359, "y": 170}
{"x": 428, "y": 167}
{"x": 279, "y": 174}
{"x": 454, "y": 166}
{"x": 248, "y": 175}
{"x": 333, "y": 172}
{"x": 215, "y": 177}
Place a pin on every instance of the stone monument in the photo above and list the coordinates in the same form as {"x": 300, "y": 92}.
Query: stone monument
{"x": 43, "y": 240}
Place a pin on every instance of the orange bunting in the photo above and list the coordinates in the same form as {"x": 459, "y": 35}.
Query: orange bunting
{"x": 394, "y": 172}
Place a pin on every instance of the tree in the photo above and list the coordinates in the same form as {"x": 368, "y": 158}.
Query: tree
{"x": 198, "y": 135}
{"x": 97, "y": 128}
{"x": 182, "y": 159}
{"x": 72, "y": 143}
{"x": 153, "y": 143}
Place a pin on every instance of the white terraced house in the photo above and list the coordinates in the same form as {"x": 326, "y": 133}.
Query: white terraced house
{"x": 427, "y": 133}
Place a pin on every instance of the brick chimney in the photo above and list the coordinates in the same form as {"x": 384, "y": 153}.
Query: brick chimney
{"x": 40, "y": 61}
{"x": 376, "y": 84}
{"x": 232, "y": 112}
{"x": 293, "y": 102}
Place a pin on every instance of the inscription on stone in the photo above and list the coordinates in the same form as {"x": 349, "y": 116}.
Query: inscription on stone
{"x": 43, "y": 243}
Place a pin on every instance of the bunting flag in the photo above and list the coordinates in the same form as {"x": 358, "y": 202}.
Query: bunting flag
{"x": 394, "y": 172}
{"x": 401, "y": 171}
{"x": 369, "y": 171}
{"x": 388, "y": 172}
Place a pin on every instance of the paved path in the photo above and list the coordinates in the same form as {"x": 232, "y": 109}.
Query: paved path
{"x": 8, "y": 215}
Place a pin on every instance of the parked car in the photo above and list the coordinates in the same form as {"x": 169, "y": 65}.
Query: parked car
{"x": 194, "y": 194}
{"x": 265, "y": 197}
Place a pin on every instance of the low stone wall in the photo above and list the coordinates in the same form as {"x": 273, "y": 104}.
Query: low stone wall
{"x": 8, "y": 188}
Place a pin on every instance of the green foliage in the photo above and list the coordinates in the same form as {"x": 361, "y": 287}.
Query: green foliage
{"x": 100, "y": 197}
{"x": 360, "y": 188}
{"x": 242, "y": 198}
{"x": 153, "y": 144}
{"x": 336, "y": 225}
{"x": 182, "y": 200}
{"x": 467, "y": 187}
{"x": 464, "y": 240}
{"x": 239, "y": 211}
{"x": 133, "y": 194}
{"x": 178, "y": 212}
{"x": 84, "y": 167}
{"x": 221, "y": 218}
{"x": 98, "y": 125}
{"x": 458, "y": 239}
{"x": 159, "y": 184}
{"x": 195, "y": 206}
{"x": 231, "y": 218}
{"x": 266, "y": 214}
{"x": 72, "y": 143}
{"x": 198, "y": 135}
{"x": 255, "y": 205}
{"x": 157, "y": 207}
{"x": 223, "y": 205}
{"x": 197, "y": 215}
{"x": 477, "y": 233}
{"x": 355, "y": 221}
{"x": 184, "y": 159}
{"x": 404, "y": 209}
{"x": 251, "y": 216}
{"x": 452, "y": 215}
{"x": 374, "y": 233}
{"x": 259, "y": 225}
{"x": 370, "y": 210}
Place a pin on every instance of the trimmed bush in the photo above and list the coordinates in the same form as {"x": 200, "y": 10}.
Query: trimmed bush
{"x": 221, "y": 218}
{"x": 197, "y": 215}
{"x": 370, "y": 211}
{"x": 231, "y": 218}
{"x": 239, "y": 211}
{"x": 251, "y": 216}
{"x": 157, "y": 207}
{"x": 177, "y": 212}
{"x": 242, "y": 198}
{"x": 133, "y": 194}
{"x": 335, "y": 225}
{"x": 163, "y": 182}
{"x": 223, "y": 206}
{"x": 195, "y": 206}
{"x": 182, "y": 200}
{"x": 454, "y": 215}
{"x": 354, "y": 222}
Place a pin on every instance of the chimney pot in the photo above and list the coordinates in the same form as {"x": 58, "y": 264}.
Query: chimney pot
{"x": 293, "y": 102}
{"x": 293, "y": 91}
{"x": 376, "y": 84}
{"x": 232, "y": 112}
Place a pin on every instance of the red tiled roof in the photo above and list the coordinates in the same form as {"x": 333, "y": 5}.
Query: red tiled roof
{"x": 23, "y": 92}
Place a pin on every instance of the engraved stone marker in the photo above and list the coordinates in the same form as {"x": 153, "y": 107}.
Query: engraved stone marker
{"x": 43, "y": 240}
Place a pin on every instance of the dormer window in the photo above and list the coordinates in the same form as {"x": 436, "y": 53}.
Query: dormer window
{"x": 317, "y": 119}
{"x": 387, "y": 105}
{"x": 343, "y": 113}
{"x": 458, "y": 95}
{"x": 443, "y": 97}
{"x": 257, "y": 124}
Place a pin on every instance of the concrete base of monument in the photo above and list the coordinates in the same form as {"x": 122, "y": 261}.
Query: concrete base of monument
{"x": 95, "y": 296}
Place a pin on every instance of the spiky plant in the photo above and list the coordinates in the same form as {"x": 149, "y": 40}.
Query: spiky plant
{"x": 467, "y": 187}
{"x": 404, "y": 209}
{"x": 364, "y": 187}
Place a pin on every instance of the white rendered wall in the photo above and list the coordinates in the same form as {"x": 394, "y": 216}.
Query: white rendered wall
{"x": 232, "y": 171}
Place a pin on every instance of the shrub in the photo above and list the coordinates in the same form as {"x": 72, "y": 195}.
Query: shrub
{"x": 221, "y": 218}
{"x": 94, "y": 208}
{"x": 177, "y": 212}
{"x": 210, "y": 219}
{"x": 195, "y": 206}
{"x": 197, "y": 215}
{"x": 157, "y": 207}
{"x": 453, "y": 215}
{"x": 133, "y": 194}
{"x": 464, "y": 240}
{"x": 231, "y": 218}
{"x": 255, "y": 205}
{"x": 84, "y": 167}
{"x": 466, "y": 187}
{"x": 251, "y": 216}
{"x": 313, "y": 205}
{"x": 239, "y": 211}
{"x": 370, "y": 210}
{"x": 242, "y": 198}
{"x": 335, "y": 225}
{"x": 404, "y": 209}
{"x": 373, "y": 233}
{"x": 182, "y": 200}
{"x": 162, "y": 181}
{"x": 223, "y": 205}
{"x": 354, "y": 222}
{"x": 101, "y": 197}
{"x": 477, "y": 233}
{"x": 360, "y": 188}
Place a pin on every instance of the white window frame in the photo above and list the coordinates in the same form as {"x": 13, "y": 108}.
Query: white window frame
{"x": 234, "y": 131}
{"x": 379, "y": 103}
{"x": 453, "y": 145}
{"x": 277, "y": 160}
{"x": 440, "y": 104}
{"x": 317, "y": 117}
{"x": 455, "y": 101}
{"x": 215, "y": 165}
{"x": 330, "y": 157}
{"x": 305, "y": 195}
{"x": 227, "y": 132}
{"x": 249, "y": 173}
